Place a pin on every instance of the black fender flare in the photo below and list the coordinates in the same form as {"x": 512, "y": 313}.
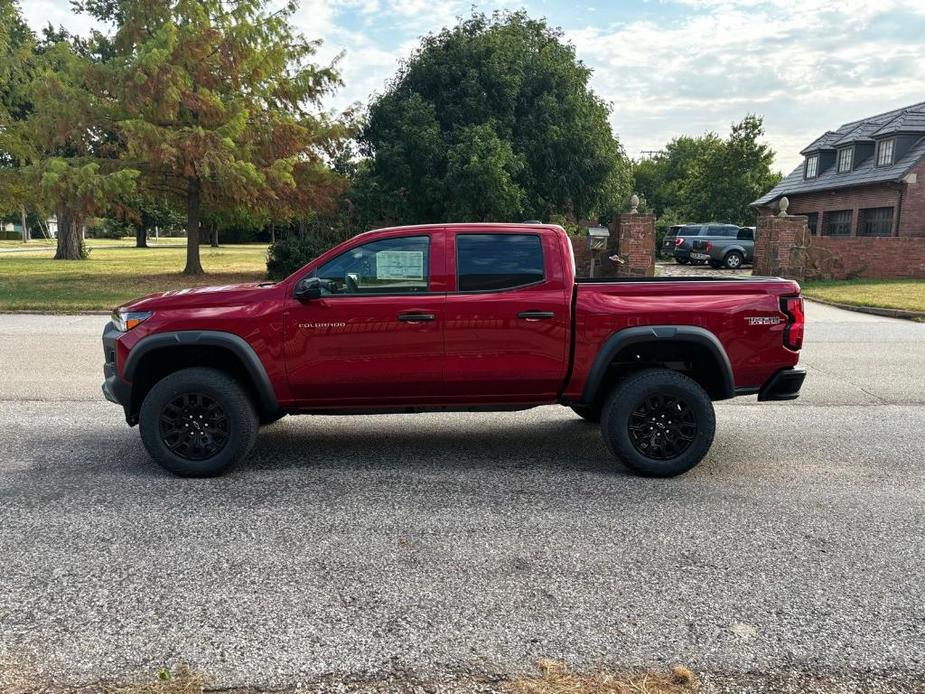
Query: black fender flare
{"x": 235, "y": 344}
{"x": 657, "y": 333}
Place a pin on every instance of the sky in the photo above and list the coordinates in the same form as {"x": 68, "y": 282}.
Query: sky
{"x": 667, "y": 67}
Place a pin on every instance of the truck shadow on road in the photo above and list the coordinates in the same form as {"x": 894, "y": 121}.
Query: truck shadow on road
{"x": 413, "y": 442}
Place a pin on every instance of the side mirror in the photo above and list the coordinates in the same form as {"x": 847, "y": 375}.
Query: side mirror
{"x": 308, "y": 288}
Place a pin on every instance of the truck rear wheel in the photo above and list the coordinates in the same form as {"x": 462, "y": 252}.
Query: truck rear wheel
{"x": 659, "y": 422}
{"x": 588, "y": 413}
{"x": 197, "y": 422}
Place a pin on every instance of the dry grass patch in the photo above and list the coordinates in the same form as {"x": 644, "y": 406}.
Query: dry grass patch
{"x": 556, "y": 678}
{"x": 182, "y": 680}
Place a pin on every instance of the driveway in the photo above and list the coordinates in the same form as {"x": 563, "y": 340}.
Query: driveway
{"x": 435, "y": 547}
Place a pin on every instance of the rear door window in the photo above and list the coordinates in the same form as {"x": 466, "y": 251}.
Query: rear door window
{"x": 492, "y": 262}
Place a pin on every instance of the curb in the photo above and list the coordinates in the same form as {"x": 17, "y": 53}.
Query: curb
{"x": 885, "y": 312}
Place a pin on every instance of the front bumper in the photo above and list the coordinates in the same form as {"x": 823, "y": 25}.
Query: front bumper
{"x": 784, "y": 385}
{"x": 114, "y": 388}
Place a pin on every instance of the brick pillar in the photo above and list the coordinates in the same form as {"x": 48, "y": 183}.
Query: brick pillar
{"x": 633, "y": 237}
{"x": 780, "y": 246}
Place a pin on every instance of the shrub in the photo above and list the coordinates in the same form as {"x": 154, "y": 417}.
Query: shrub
{"x": 292, "y": 252}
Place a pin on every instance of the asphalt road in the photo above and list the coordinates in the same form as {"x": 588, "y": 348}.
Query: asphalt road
{"x": 436, "y": 546}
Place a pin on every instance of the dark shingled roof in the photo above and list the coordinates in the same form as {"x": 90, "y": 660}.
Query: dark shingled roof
{"x": 862, "y": 133}
{"x": 822, "y": 142}
{"x": 909, "y": 120}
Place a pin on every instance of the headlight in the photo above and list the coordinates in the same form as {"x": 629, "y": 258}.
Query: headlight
{"x": 126, "y": 320}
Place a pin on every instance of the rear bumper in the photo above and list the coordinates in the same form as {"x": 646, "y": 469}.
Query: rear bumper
{"x": 784, "y": 385}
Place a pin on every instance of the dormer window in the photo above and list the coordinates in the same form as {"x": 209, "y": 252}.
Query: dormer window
{"x": 812, "y": 166}
{"x": 845, "y": 159}
{"x": 885, "y": 149}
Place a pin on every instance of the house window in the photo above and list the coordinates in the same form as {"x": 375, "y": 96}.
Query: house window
{"x": 885, "y": 152}
{"x": 876, "y": 221}
{"x": 812, "y": 221}
{"x": 812, "y": 166}
{"x": 845, "y": 159}
{"x": 837, "y": 223}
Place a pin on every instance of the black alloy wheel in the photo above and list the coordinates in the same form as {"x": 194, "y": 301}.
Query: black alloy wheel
{"x": 193, "y": 426}
{"x": 198, "y": 422}
{"x": 658, "y": 422}
{"x": 662, "y": 427}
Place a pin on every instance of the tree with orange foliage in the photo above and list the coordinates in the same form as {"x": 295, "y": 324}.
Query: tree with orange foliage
{"x": 218, "y": 106}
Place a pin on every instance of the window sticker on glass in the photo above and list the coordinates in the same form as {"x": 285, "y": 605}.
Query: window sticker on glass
{"x": 400, "y": 265}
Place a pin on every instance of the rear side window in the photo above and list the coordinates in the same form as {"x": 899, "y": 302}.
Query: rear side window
{"x": 746, "y": 234}
{"x": 691, "y": 231}
{"x": 489, "y": 262}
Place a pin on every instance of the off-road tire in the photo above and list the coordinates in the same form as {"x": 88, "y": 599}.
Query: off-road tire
{"x": 588, "y": 413}
{"x": 626, "y": 402}
{"x": 734, "y": 260}
{"x": 238, "y": 419}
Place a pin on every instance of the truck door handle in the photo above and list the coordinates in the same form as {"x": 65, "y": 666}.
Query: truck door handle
{"x": 536, "y": 315}
{"x": 415, "y": 317}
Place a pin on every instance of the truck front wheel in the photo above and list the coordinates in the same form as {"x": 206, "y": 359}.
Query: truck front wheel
{"x": 659, "y": 422}
{"x": 197, "y": 422}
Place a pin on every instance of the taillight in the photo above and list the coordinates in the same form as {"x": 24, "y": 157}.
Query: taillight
{"x": 709, "y": 246}
{"x": 796, "y": 321}
{"x": 678, "y": 241}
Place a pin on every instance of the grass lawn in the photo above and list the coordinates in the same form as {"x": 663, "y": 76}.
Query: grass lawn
{"x": 115, "y": 273}
{"x": 908, "y": 295}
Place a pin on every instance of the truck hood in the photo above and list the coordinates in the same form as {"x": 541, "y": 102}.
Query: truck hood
{"x": 196, "y": 297}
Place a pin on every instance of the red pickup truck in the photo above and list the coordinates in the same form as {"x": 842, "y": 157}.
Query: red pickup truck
{"x": 451, "y": 317}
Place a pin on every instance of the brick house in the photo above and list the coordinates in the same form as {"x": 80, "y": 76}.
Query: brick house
{"x": 862, "y": 189}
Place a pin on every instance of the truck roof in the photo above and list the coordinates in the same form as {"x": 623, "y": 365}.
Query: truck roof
{"x": 475, "y": 226}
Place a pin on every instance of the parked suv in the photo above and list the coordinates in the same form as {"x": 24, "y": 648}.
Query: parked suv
{"x": 724, "y": 246}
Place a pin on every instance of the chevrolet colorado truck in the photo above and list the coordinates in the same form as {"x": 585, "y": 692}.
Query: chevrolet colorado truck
{"x": 450, "y": 317}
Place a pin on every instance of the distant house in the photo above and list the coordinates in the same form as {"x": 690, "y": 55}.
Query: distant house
{"x": 862, "y": 189}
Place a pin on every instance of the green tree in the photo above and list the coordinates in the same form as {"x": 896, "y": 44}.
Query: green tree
{"x": 724, "y": 180}
{"x": 708, "y": 178}
{"x": 662, "y": 178}
{"x": 70, "y": 150}
{"x": 17, "y": 66}
{"x": 490, "y": 119}
{"x": 218, "y": 105}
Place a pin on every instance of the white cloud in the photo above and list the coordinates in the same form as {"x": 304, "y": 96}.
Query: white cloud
{"x": 41, "y": 13}
{"x": 806, "y": 66}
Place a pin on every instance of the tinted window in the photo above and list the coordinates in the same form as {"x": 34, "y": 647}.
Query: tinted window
{"x": 723, "y": 231}
{"x": 486, "y": 262}
{"x": 388, "y": 266}
{"x": 876, "y": 221}
{"x": 691, "y": 231}
{"x": 812, "y": 221}
{"x": 746, "y": 234}
{"x": 837, "y": 223}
